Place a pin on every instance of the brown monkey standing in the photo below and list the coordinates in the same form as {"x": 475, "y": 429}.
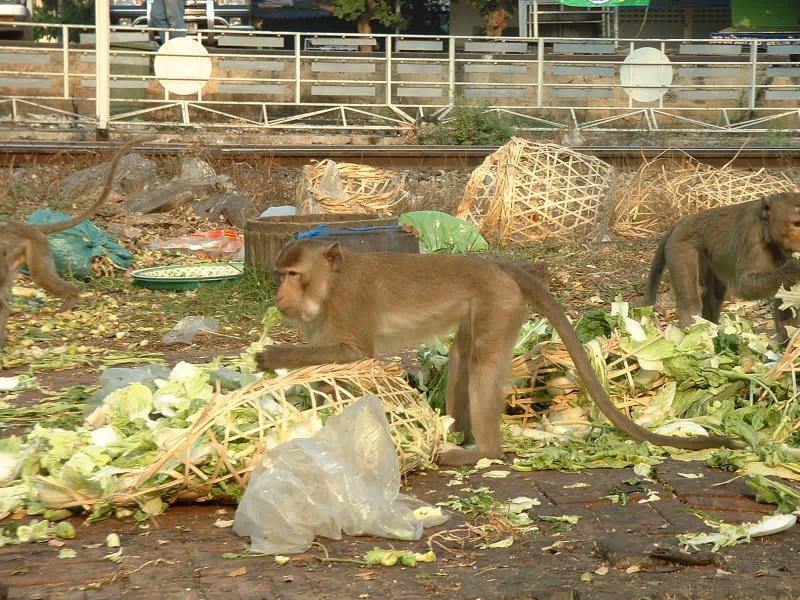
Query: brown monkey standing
{"x": 354, "y": 305}
{"x": 23, "y": 244}
{"x": 743, "y": 247}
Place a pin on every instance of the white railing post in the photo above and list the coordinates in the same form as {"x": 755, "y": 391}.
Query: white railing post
{"x": 297, "y": 68}
{"x": 753, "y": 73}
{"x": 102, "y": 56}
{"x": 65, "y": 60}
{"x": 539, "y": 73}
{"x": 451, "y": 72}
{"x": 388, "y": 70}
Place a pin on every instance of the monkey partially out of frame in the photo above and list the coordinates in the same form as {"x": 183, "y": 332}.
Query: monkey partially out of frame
{"x": 354, "y": 305}
{"x": 746, "y": 248}
{"x": 24, "y": 244}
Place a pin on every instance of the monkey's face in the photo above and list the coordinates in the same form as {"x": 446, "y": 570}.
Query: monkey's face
{"x": 305, "y": 271}
{"x": 783, "y": 214}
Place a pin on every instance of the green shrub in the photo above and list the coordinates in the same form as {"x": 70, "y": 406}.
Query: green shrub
{"x": 469, "y": 126}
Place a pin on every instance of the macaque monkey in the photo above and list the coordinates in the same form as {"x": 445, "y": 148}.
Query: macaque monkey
{"x": 23, "y": 244}
{"x": 743, "y": 247}
{"x": 354, "y": 305}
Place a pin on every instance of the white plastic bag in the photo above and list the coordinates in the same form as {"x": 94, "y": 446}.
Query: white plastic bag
{"x": 344, "y": 479}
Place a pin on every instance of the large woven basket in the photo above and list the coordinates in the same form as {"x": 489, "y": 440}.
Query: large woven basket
{"x": 529, "y": 191}
{"x": 347, "y": 188}
{"x": 663, "y": 190}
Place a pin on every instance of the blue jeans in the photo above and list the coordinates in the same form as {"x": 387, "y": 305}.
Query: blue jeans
{"x": 168, "y": 14}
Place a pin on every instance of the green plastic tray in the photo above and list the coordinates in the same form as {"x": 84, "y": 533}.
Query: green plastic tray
{"x": 187, "y": 277}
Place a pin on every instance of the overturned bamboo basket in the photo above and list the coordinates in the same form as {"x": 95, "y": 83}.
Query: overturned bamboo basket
{"x": 337, "y": 188}
{"x": 262, "y": 416}
{"x": 531, "y": 371}
{"x": 641, "y": 206}
{"x": 698, "y": 187}
{"x": 529, "y": 191}
{"x": 662, "y": 191}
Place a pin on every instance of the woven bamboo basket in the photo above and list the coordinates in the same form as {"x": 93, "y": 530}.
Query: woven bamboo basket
{"x": 528, "y": 191}
{"x": 662, "y": 191}
{"x": 364, "y": 189}
{"x": 641, "y": 206}
{"x": 227, "y": 421}
{"x": 535, "y": 367}
{"x": 694, "y": 187}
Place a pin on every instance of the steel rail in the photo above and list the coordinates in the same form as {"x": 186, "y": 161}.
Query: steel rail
{"x": 20, "y": 152}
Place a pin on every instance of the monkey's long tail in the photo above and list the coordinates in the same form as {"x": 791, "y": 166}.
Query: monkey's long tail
{"x": 90, "y": 212}
{"x": 656, "y": 271}
{"x": 540, "y": 298}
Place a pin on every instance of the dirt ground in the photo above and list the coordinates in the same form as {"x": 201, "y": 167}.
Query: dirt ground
{"x": 180, "y": 554}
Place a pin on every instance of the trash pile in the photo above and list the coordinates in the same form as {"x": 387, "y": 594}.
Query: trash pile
{"x": 198, "y": 433}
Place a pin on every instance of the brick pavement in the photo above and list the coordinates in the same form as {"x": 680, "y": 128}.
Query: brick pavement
{"x": 179, "y": 555}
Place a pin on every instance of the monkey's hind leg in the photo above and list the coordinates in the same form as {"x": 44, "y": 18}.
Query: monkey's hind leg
{"x": 40, "y": 263}
{"x": 713, "y": 294}
{"x": 490, "y": 351}
{"x": 783, "y": 318}
{"x": 458, "y": 382}
{"x": 683, "y": 262}
{"x": 6, "y": 280}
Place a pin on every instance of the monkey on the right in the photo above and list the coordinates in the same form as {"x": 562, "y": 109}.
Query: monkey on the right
{"x": 746, "y": 248}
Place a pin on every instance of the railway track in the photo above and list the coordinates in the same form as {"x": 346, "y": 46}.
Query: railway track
{"x": 398, "y": 156}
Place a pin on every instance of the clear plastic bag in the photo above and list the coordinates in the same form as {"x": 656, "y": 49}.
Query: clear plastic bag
{"x": 115, "y": 378}
{"x": 188, "y": 327}
{"x": 344, "y": 479}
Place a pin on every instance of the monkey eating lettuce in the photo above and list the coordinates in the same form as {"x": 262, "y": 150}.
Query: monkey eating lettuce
{"x": 743, "y": 247}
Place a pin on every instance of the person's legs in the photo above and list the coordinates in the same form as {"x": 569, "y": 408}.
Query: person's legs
{"x": 158, "y": 19}
{"x": 175, "y": 10}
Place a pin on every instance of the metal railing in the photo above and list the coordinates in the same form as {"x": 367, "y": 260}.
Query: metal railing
{"x": 322, "y": 81}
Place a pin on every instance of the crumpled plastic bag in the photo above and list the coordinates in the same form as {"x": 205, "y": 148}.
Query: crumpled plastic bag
{"x": 344, "y": 479}
{"x": 188, "y": 327}
{"x": 74, "y": 248}
{"x": 115, "y": 378}
{"x": 213, "y": 243}
{"x": 440, "y": 232}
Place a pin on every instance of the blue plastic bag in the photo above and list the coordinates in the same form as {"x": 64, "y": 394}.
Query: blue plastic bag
{"x": 74, "y": 248}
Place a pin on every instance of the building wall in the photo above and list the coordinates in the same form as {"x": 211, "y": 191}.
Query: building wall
{"x": 465, "y": 20}
{"x": 690, "y": 22}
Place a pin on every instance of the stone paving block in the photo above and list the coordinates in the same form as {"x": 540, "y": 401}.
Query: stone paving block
{"x": 668, "y": 473}
{"x": 634, "y": 517}
{"x": 729, "y": 508}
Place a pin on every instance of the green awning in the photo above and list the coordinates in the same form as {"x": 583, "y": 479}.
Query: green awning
{"x": 589, "y": 3}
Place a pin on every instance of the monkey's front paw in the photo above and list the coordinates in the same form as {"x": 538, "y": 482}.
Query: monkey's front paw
{"x": 268, "y": 359}
{"x": 792, "y": 267}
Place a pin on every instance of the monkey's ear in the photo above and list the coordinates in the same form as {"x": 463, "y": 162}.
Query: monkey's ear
{"x": 766, "y": 204}
{"x": 333, "y": 254}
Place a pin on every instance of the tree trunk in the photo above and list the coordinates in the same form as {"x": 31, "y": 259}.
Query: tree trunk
{"x": 497, "y": 19}
{"x": 364, "y": 23}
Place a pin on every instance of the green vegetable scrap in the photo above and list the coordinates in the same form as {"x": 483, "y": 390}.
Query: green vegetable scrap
{"x": 482, "y": 504}
{"x": 35, "y": 531}
{"x": 784, "y": 496}
{"x": 404, "y": 558}
{"x": 705, "y": 379}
